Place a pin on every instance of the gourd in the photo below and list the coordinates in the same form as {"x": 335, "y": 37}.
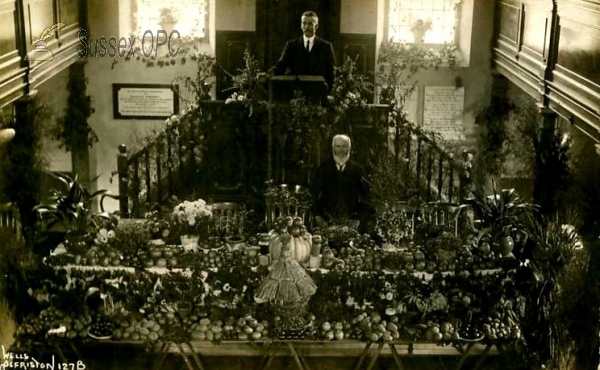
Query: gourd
{"x": 292, "y": 233}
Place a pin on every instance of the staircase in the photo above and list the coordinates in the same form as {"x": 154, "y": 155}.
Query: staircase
{"x": 216, "y": 152}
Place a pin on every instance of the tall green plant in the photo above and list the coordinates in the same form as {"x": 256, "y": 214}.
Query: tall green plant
{"x": 494, "y": 138}
{"x": 558, "y": 266}
{"x": 72, "y": 129}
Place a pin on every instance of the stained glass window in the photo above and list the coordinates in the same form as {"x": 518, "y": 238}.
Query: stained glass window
{"x": 427, "y": 21}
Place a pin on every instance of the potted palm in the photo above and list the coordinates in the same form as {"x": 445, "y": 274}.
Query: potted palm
{"x": 68, "y": 212}
{"x": 500, "y": 218}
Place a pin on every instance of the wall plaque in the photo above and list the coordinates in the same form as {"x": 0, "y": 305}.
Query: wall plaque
{"x": 145, "y": 101}
{"x": 443, "y": 111}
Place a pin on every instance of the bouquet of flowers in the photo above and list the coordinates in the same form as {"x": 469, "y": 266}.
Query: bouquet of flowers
{"x": 192, "y": 218}
{"x": 394, "y": 227}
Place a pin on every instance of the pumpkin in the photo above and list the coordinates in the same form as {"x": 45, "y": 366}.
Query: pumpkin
{"x": 296, "y": 236}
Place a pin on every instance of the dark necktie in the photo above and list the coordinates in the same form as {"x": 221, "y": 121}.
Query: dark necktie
{"x": 307, "y": 45}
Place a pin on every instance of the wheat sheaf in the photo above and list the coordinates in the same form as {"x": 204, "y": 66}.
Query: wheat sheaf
{"x": 48, "y": 32}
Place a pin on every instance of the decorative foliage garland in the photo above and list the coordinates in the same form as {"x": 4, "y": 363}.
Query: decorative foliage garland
{"x": 73, "y": 127}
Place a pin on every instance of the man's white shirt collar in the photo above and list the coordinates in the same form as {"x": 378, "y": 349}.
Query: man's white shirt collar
{"x": 311, "y": 39}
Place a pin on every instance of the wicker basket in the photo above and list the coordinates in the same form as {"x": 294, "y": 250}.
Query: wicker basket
{"x": 293, "y": 317}
{"x": 290, "y": 310}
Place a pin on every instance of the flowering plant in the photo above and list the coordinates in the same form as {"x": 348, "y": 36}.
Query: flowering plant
{"x": 191, "y": 217}
{"x": 394, "y": 226}
{"x": 350, "y": 87}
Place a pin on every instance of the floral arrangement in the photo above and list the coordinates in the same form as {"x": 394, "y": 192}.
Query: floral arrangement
{"x": 158, "y": 226}
{"x": 191, "y": 218}
{"x": 247, "y": 84}
{"x": 394, "y": 226}
{"x": 350, "y": 87}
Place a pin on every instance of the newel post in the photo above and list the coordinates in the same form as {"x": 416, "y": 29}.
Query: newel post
{"x": 466, "y": 177}
{"x": 122, "y": 169}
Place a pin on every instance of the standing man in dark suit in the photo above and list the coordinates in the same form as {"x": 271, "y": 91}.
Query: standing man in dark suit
{"x": 339, "y": 188}
{"x": 309, "y": 54}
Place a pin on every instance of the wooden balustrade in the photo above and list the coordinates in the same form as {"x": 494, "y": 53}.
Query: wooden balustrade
{"x": 181, "y": 158}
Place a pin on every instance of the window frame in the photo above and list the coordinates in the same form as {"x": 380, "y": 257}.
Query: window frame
{"x": 133, "y": 26}
{"x": 436, "y": 46}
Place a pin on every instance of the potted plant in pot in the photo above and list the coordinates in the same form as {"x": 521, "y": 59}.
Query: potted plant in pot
{"x": 191, "y": 221}
{"x": 68, "y": 212}
{"x": 500, "y": 218}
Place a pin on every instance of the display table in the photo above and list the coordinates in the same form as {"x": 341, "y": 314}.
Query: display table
{"x": 367, "y": 353}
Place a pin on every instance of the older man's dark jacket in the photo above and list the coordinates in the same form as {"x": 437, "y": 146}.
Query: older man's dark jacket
{"x": 296, "y": 60}
{"x": 339, "y": 194}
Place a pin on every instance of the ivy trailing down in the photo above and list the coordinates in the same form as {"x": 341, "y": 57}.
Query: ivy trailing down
{"x": 73, "y": 129}
{"x": 492, "y": 148}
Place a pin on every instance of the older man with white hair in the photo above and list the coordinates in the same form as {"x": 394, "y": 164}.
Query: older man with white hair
{"x": 339, "y": 188}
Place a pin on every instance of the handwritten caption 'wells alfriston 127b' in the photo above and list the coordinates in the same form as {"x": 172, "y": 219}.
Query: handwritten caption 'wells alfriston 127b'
{"x": 11, "y": 360}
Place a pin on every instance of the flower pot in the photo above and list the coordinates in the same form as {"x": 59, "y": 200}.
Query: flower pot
{"x": 234, "y": 244}
{"x": 189, "y": 243}
{"x": 76, "y": 244}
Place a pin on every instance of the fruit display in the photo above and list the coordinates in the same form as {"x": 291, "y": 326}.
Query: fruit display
{"x": 373, "y": 328}
{"x": 435, "y": 332}
{"x": 50, "y": 322}
{"x": 365, "y": 291}
{"x": 244, "y": 328}
{"x": 142, "y": 329}
{"x": 158, "y": 255}
{"x": 102, "y": 328}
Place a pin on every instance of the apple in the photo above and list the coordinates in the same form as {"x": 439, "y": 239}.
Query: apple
{"x": 173, "y": 262}
{"x": 484, "y": 248}
{"x": 297, "y": 221}
{"x": 149, "y": 263}
{"x": 168, "y": 253}
{"x": 252, "y": 322}
{"x": 256, "y": 335}
{"x": 326, "y": 326}
{"x": 155, "y": 253}
{"x": 419, "y": 256}
{"x": 338, "y": 334}
{"x": 161, "y": 262}
{"x": 430, "y": 267}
